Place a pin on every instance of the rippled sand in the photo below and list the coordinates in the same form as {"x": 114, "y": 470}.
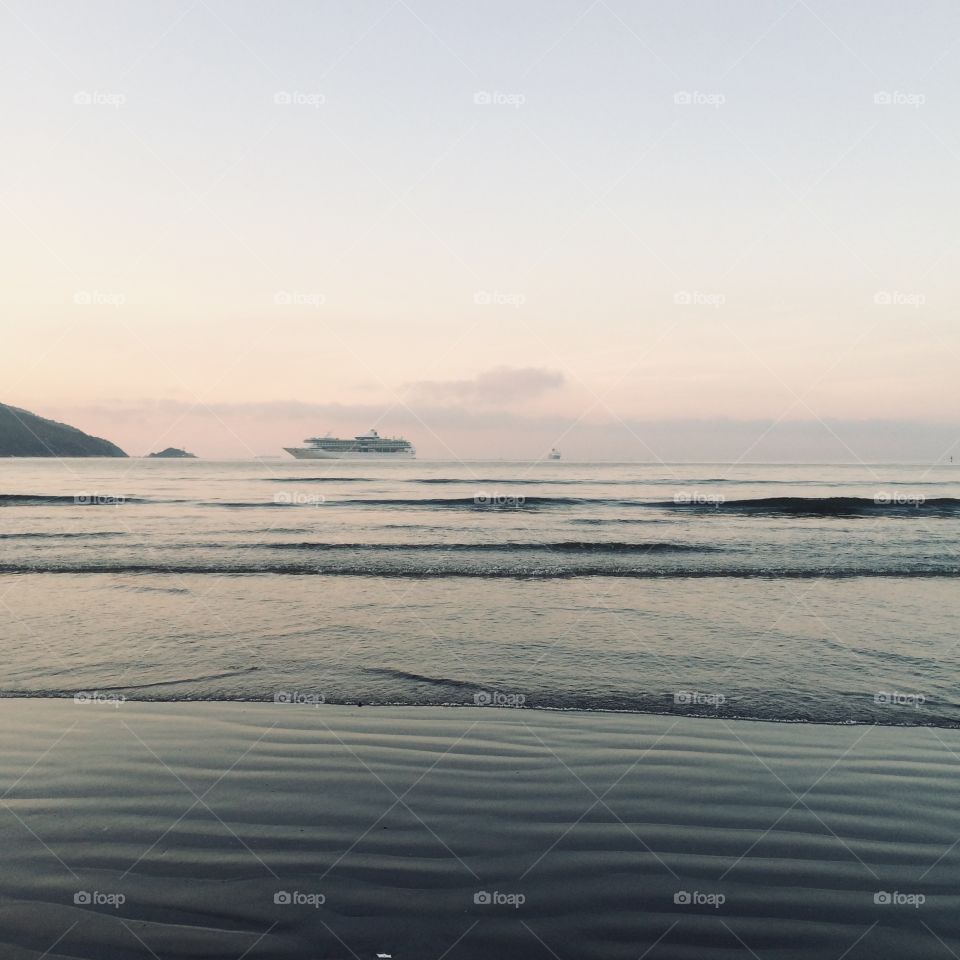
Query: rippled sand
{"x": 384, "y": 827}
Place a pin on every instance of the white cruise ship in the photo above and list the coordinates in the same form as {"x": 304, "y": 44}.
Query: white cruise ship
{"x": 368, "y": 446}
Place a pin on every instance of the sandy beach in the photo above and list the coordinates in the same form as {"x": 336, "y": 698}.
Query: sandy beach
{"x": 221, "y": 830}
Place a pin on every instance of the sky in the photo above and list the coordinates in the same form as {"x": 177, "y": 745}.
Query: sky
{"x": 634, "y": 230}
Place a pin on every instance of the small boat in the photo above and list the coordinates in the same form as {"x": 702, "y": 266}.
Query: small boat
{"x": 554, "y": 454}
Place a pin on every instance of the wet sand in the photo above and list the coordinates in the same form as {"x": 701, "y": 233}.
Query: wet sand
{"x": 221, "y": 830}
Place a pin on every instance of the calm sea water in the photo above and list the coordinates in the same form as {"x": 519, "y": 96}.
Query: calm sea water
{"x": 792, "y": 592}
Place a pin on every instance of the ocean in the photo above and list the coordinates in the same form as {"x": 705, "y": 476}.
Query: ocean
{"x": 458, "y": 753}
{"x": 788, "y": 592}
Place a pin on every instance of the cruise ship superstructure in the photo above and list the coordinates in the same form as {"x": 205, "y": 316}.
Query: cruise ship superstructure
{"x": 367, "y": 446}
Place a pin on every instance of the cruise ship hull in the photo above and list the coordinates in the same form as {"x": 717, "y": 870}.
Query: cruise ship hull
{"x": 311, "y": 453}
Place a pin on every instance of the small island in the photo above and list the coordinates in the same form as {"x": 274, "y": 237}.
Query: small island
{"x": 173, "y": 453}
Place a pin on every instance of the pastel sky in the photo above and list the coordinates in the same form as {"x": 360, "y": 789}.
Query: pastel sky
{"x": 624, "y": 227}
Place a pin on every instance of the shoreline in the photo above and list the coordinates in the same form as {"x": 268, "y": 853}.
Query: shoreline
{"x": 585, "y": 711}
